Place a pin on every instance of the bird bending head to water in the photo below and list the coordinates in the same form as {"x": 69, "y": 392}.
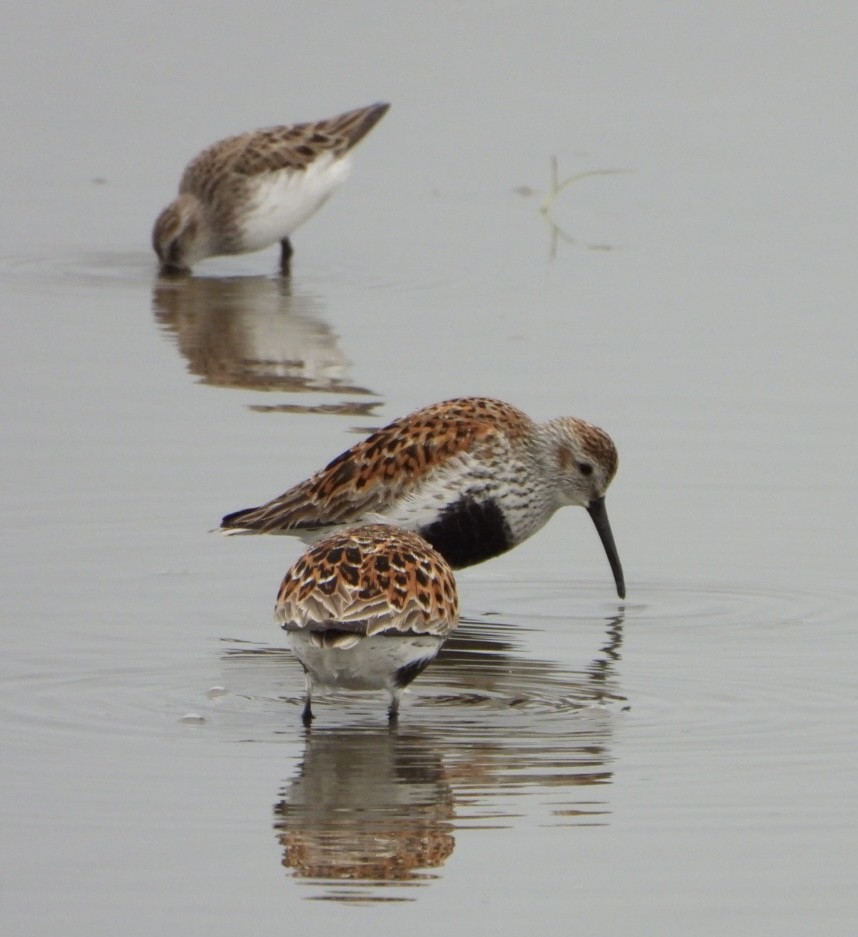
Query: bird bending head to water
{"x": 252, "y": 190}
{"x": 473, "y": 476}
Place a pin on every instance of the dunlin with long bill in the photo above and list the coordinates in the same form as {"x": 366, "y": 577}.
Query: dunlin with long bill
{"x": 473, "y": 476}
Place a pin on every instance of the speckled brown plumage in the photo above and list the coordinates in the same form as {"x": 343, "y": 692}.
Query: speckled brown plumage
{"x": 367, "y": 608}
{"x": 391, "y": 463}
{"x": 251, "y": 190}
{"x": 369, "y": 580}
{"x": 293, "y": 147}
{"x": 398, "y": 457}
{"x": 474, "y": 476}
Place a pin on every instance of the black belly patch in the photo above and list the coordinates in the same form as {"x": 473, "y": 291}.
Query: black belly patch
{"x": 406, "y": 674}
{"x": 469, "y": 532}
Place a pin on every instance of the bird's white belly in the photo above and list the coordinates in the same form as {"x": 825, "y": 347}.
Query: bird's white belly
{"x": 371, "y": 664}
{"x": 279, "y": 202}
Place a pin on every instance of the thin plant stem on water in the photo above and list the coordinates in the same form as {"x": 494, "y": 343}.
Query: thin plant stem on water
{"x": 556, "y": 187}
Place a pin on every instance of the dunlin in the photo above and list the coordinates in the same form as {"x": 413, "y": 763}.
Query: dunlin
{"x": 367, "y": 608}
{"x": 473, "y": 476}
{"x": 252, "y": 190}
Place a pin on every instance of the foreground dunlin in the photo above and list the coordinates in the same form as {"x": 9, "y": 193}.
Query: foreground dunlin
{"x": 473, "y": 476}
{"x": 367, "y": 608}
{"x": 250, "y": 191}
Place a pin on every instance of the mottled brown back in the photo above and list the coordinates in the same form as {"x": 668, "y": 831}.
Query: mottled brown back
{"x": 370, "y": 580}
{"x": 389, "y": 463}
{"x": 271, "y": 149}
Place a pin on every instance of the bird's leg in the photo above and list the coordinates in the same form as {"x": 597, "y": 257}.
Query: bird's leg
{"x": 307, "y": 712}
{"x": 393, "y": 709}
{"x": 286, "y": 256}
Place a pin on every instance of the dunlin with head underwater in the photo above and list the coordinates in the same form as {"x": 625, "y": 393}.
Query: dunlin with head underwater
{"x": 367, "y": 608}
{"x": 473, "y": 476}
{"x": 253, "y": 190}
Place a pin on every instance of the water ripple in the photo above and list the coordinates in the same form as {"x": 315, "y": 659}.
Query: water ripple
{"x": 518, "y": 660}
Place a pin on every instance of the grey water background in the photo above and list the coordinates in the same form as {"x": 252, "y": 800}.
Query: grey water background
{"x": 683, "y": 762}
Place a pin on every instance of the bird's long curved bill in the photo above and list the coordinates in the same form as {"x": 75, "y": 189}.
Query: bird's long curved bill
{"x": 598, "y": 512}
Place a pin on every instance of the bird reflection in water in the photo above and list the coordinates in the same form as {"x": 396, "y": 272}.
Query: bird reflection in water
{"x": 371, "y": 809}
{"x": 258, "y": 333}
{"x": 366, "y": 806}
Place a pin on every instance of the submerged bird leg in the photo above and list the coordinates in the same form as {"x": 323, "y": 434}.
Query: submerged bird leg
{"x": 393, "y": 709}
{"x": 307, "y": 711}
{"x": 169, "y": 270}
{"x": 286, "y": 252}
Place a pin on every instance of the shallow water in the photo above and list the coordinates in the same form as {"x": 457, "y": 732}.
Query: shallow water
{"x": 682, "y": 762}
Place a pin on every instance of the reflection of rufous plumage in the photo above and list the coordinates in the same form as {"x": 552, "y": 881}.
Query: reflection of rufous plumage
{"x": 367, "y": 608}
{"x": 473, "y": 476}
{"x": 366, "y": 807}
{"x": 249, "y": 191}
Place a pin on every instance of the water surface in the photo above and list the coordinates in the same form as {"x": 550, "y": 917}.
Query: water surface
{"x": 683, "y": 762}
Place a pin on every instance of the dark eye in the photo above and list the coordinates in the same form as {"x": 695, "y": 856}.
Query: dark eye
{"x": 585, "y": 468}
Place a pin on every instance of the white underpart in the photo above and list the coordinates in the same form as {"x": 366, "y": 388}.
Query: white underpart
{"x": 526, "y": 498}
{"x": 371, "y": 664}
{"x": 462, "y": 475}
{"x": 527, "y": 506}
{"x": 282, "y": 201}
